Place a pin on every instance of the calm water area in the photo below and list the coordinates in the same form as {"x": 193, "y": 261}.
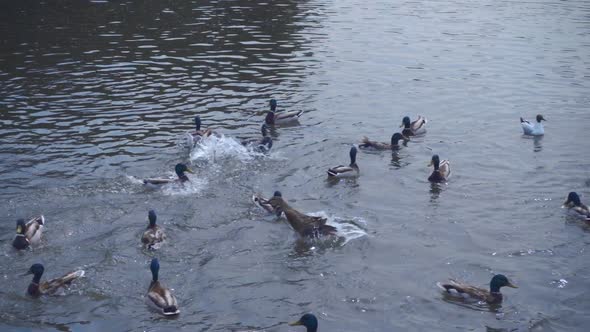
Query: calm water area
{"x": 97, "y": 95}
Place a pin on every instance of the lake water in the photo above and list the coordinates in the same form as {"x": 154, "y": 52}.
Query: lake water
{"x": 98, "y": 95}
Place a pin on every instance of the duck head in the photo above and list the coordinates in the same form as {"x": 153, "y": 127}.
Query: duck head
{"x": 353, "y": 155}
{"x": 277, "y": 194}
{"x": 499, "y": 281}
{"x": 572, "y": 198}
{"x": 152, "y": 218}
{"x": 37, "y": 271}
{"x": 540, "y": 118}
{"x": 180, "y": 169}
{"x": 155, "y": 268}
{"x": 20, "y": 226}
{"x": 307, "y": 320}
{"x": 405, "y": 122}
{"x": 435, "y": 161}
{"x": 198, "y": 122}
{"x": 273, "y": 104}
{"x": 395, "y": 138}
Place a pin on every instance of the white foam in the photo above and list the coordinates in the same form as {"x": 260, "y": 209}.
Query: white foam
{"x": 346, "y": 228}
{"x": 214, "y": 149}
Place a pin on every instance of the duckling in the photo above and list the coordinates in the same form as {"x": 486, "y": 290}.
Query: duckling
{"x": 533, "y": 129}
{"x": 198, "y": 132}
{"x": 417, "y": 127}
{"x": 179, "y": 169}
{"x": 304, "y": 225}
{"x": 153, "y": 235}
{"x": 264, "y": 204}
{"x": 37, "y": 288}
{"x": 346, "y": 171}
{"x": 158, "y": 296}
{"x": 262, "y": 145}
{"x": 573, "y": 202}
{"x": 442, "y": 169}
{"x": 29, "y": 233}
{"x": 394, "y": 145}
{"x": 273, "y": 117}
{"x": 309, "y": 321}
{"x": 491, "y": 296}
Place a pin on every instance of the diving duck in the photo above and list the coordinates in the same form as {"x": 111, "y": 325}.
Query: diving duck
{"x": 309, "y": 321}
{"x": 198, "y": 132}
{"x": 394, "y": 145}
{"x": 29, "y": 233}
{"x": 533, "y": 129}
{"x": 442, "y": 169}
{"x": 153, "y": 235}
{"x": 417, "y": 127}
{"x": 179, "y": 169}
{"x": 491, "y": 296}
{"x": 346, "y": 171}
{"x": 265, "y": 205}
{"x": 304, "y": 225}
{"x": 38, "y": 288}
{"x": 262, "y": 145}
{"x": 273, "y": 117}
{"x": 573, "y": 202}
{"x": 158, "y": 296}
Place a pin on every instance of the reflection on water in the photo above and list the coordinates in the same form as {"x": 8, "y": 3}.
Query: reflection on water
{"x": 537, "y": 140}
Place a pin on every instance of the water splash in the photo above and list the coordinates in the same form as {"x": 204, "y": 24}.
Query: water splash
{"x": 214, "y": 149}
{"x": 196, "y": 185}
{"x": 347, "y": 228}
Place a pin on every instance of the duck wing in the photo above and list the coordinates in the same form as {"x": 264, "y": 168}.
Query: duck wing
{"x": 34, "y": 228}
{"x": 162, "y": 299}
{"x": 463, "y": 288}
{"x": 153, "y": 236}
{"x": 51, "y": 286}
{"x": 368, "y": 144}
{"x": 527, "y": 127}
{"x": 342, "y": 170}
{"x": 418, "y": 126}
{"x": 290, "y": 115}
{"x": 445, "y": 169}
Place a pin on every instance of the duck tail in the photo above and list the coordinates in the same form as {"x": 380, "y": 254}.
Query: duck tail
{"x": 299, "y": 113}
{"x": 171, "y": 310}
{"x": 332, "y": 172}
{"x": 72, "y": 276}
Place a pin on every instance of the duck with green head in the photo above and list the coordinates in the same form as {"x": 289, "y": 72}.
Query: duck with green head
{"x": 309, "y": 321}
{"x": 38, "y": 288}
{"x": 201, "y": 133}
{"x": 274, "y": 118}
{"x": 153, "y": 236}
{"x": 374, "y": 145}
{"x": 442, "y": 169}
{"x": 418, "y": 127}
{"x": 478, "y": 293}
{"x": 264, "y": 203}
{"x": 179, "y": 169}
{"x": 159, "y": 297}
{"x": 352, "y": 170}
{"x": 574, "y": 203}
{"x": 28, "y": 233}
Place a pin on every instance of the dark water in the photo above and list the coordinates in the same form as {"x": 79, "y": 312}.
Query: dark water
{"x": 95, "y": 96}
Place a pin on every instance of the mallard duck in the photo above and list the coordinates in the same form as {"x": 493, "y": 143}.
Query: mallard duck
{"x": 179, "y": 169}
{"x": 263, "y": 144}
{"x": 442, "y": 169}
{"x": 201, "y": 133}
{"x": 394, "y": 145}
{"x": 38, "y": 288}
{"x": 417, "y": 127}
{"x": 346, "y": 171}
{"x": 29, "y": 233}
{"x": 533, "y": 129}
{"x": 309, "y": 321}
{"x": 158, "y": 296}
{"x": 264, "y": 203}
{"x": 273, "y": 117}
{"x": 304, "y": 225}
{"x": 573, "y": 202}
{"x": 491, "y": 296}
{"x": 153, "y": 235}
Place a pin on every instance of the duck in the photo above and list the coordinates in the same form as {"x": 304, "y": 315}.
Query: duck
{"x": 158, "y": 296}
{"x": 394, "y": 145}
{"x": 442, "y": 169}
{"x": 346, "y": 171}
{"x": 417, "y": 127}
{"x": 309, "y": 321}
{"x": 154, "y": 235}
{"x": 38, "y": 288}
{"x": 480, "y": 294}
{"x": 306, "y": 226}
{"x": 28, "y": 233}
{"x": 263, "y": 203}
{"x": 573, "y": 202}
{"x": 273, "y": 117}
{"x": 262, "y": 145}
{"x": 201, "y": 133}
{"x": 179, "y": 169}
{"x": 530, "y": 129}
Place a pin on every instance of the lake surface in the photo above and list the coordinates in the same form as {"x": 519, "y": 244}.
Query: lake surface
{"x": 97, "y": 95}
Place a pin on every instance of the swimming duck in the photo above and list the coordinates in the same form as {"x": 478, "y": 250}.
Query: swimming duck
{"x": 262, "y": 145}
{"x": 346, "y": 171}
{"x": 442, "y": 169}
{"x": 491, "y": 296}
{"x": 29, "y": 233}
{"x": 273, "y": 117}
{"x": 304, "y": 225}
{"x": 573, "y": 202}
{"x": 417, "y": 127}
{"x": 309, "y": 321}
{"x": 158, "y": 296}
{"x": 264, "y": 203}
{"x": 153, "y": 235}
{"x": 533, "y": 129}
{"x": 179, "y": 169}
{"x": 394, "y": 145}
{"x": 198, "y": 131}
{"x": 38, "y": 288}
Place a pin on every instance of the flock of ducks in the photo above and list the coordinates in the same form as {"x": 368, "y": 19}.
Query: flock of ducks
{"x": 160, "y": 298}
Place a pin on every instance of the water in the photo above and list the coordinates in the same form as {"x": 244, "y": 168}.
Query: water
{"x": 96, "y": 96}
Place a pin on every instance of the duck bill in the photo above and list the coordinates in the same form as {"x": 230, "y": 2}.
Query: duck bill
{"x": 297, "y": 323}
{"x": 190, "y": 170}
{"x": 27, "y": 273}
{"x": 511, "y": 285}
{"x": 19, "y": 229}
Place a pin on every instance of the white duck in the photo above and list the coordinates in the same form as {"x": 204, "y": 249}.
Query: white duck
{"x": 533, "y": 129}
